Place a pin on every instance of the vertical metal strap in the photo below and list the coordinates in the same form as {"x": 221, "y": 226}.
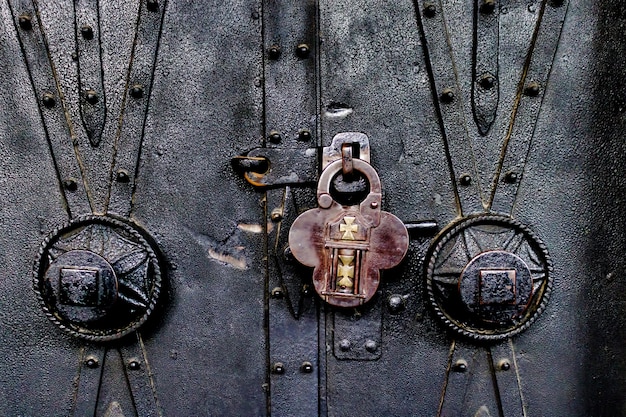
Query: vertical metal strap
{"x": 52, "y": 107}
{"x": 531, "y": 94}
{"x": 449, "y": 104}
{"x": 485, "y": 86}
{"x": 135, "y": 106}
{"x": 91, "y": 85}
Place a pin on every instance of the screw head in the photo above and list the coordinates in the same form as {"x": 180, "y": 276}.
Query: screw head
{"x": 87, "y": 32}
{"x": 487, "y": 81}
{"x": 25, "y": 21}
{"x": 303, "y": 51}
{"x": 91, "y": 362}
{"x": 122, "y": 176}
{"x": 277, "y": 293}
{"x": 278, "y": 368}
{"x": 396, "y": 303}
{"x": 307, "y": 367}
{"x": 465, "y": 179}
{"x": 274, "y": 137}
{"x": 304, "y": 135}
{"x": 137, "y": 91}
{"x": 430, "y": 10}
{"x": 91, "y": 96}
{"x": 488, "y": 6}
{"x": 274, "y": 52}
{"x": 505, "y": 365}
{"x": 345, "y": 345}
{"x": 371, "y": 346}
{"x": 70, "y": 184}
{"x": 532, "y": 89}
{"x": 152, "y": 5}
{"x": 460, "y": 366}
{"x": 447, "y": 95}
{"x": 510, "y": 177}
{"x": 134, "y": 365}
{"x": 48, "y": 100}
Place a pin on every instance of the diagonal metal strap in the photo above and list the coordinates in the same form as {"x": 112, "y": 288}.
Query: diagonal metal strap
{"x": 135, "y": 106}
{"x": 531, "y": 93}
{"x": 449, "y": 104}
{"x": 507, "y": 379}
{"x": 89, "y": 377}
{"x": 485, "y": 86}
{"x": 60, "y": 132}
{"x": 91, "y": 85}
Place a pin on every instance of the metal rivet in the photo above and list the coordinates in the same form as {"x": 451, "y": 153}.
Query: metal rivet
{"x": 510, "y": 177}
{"x": 505, "y": 365}
{"x": 274, "y": 52}
{"x": 371, "y": 346}
{"x": 122, "y": 176}
{"x": 374, "y": 204}
{"x": 325, "y": 200}
{"x": 304, "y": 135}
{"x": 91, "y": 96}
{"x": 134, "y": 365}
{"x": 87, "y": 32}
{"x": 277, "y": 215}
{"x": 303, "y": 51}
{"x": 153, "y": 5}
{"x": 532, "y": 89}
{"x": 306, "y": 290}
{"x": 487, "y": 81}
{"x": 256, "y": 15}
{"x": 460, "y": 366}
{"x": 48, "y": 100}
{"x": 25, "y": 21}
{"x": 91, "y": 362}
{"x": 430, "y": 10}
{"x": 275, "y": 137}
{"x": 396, "y": 303}
{"x": 288, "y": 255}
{"x": 278, "y": 368}
{"x": 345, "y": 345}
{"x": 488, "y": 6}
{"x": 70, "y": 184}
{"x": 137, "y": 91}
{"x": 307, "y": 367}
{"x": 465, "y": 179}
{"x": 447, "y": 95}
{"x": 277, "y": 293}
{"x": 74, "y": 56}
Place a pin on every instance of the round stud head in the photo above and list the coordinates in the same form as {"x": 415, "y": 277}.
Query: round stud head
{"x": 274, "y": 52}
{"x": 25, "y": 21}
{"x": 91, "y": 96}
{"x": 303, "y": 51}
{"x": 87, "y": 32}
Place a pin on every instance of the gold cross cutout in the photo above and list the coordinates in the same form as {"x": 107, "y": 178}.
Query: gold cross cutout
{"x": 346, "y": 271}
{"x": 349, "y": 228}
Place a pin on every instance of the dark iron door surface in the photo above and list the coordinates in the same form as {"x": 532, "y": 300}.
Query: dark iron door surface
{"x": 155, "y": 155}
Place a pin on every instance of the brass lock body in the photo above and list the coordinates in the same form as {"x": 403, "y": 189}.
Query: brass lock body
{"x": 348, "y": 245}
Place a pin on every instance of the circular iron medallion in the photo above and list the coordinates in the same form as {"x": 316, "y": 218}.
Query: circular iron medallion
{"x": 488, "y": 277}
{"x": 97, "y": 278}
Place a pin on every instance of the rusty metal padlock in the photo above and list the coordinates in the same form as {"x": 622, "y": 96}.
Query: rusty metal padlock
{"x": 348, "y": 245}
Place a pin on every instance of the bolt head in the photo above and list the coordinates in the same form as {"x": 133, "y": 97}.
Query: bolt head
{"x": 532, "y": 89}
{"x": 396, "y": 303}
{"x": 488, "y": 6}
{"x": 25, "y": 21}
{"x": 505, "y": 365}
{"x": 510, "y": 177}
{"x": 87, "y": 32}
{"x": 430, "y": 10}
{"x": 465, "y": 179}
{"x": 152, "y": 5}
{"x": 137, "y": 91}
{"x": 273, "y": 52}
{"x": 447, "y": 95}
{"x": 371, "y": 346}
{"x": 303, "y": 51}
{"x": 460, "y": 366}
{"x": 278, "y": 368}
{"x": 91, "y": 362}
{"x": 274, "y": 137}
{"x": 70, "y": 184}
{"x": 345, "y": 345}
{"x": 288, "y": 255}
{"x": 91, "y": 96}
{"x": 487, "y": 81}
{"x": 122, "y": 176}
{"x": 307, "y": 367}
{"x": 48, "y": 100}
{"x": 134, "y": 365}
{"x": 374, "y": 204}
{"x": 304, "y": 135}
{"x": 277, "y": 293}
{"x": 306, "y": 290}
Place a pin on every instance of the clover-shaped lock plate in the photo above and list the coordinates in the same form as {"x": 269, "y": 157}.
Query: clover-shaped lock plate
{"x": 348, "y": 245}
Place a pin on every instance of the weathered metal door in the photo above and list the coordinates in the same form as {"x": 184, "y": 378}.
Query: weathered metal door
{"x": 157, "y": 153}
